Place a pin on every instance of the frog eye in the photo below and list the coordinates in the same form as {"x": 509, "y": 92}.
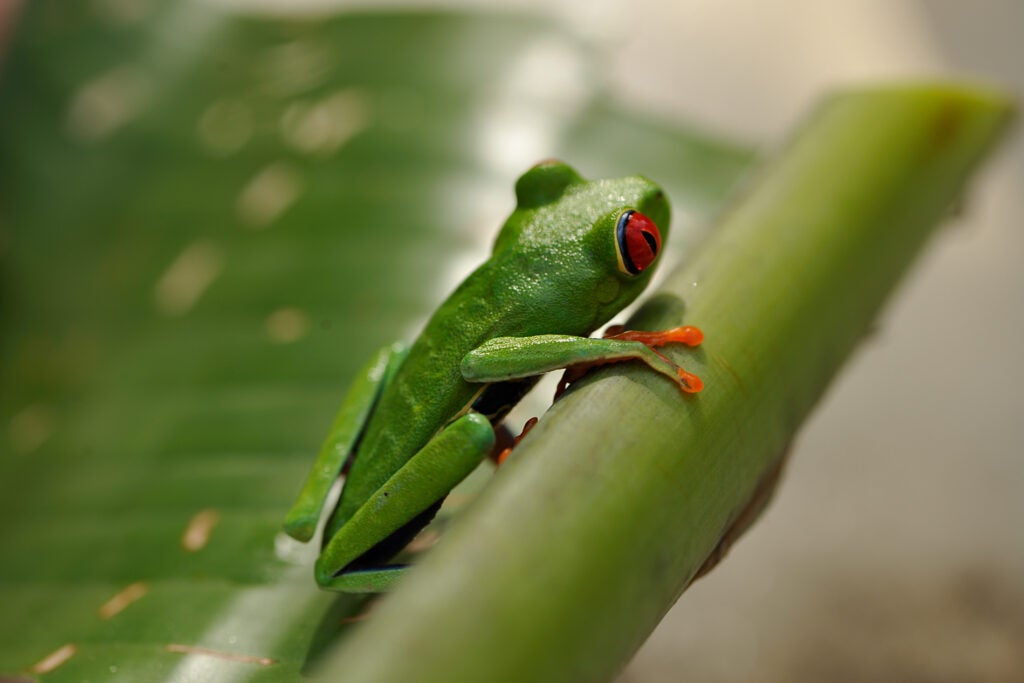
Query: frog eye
{"x": 637, "y": 242}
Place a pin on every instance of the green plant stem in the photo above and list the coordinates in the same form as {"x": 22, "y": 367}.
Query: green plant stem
{"x": 606, "y": 511}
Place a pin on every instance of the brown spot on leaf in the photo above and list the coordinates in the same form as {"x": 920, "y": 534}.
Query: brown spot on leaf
{"x": 54, "y": 659}
{"x": 197, "y": 533}
{"x": 178, "y": 648}
{"x": 119, "y": 602}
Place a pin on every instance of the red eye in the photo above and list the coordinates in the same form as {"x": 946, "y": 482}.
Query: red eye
{"x": 638, "y": 242}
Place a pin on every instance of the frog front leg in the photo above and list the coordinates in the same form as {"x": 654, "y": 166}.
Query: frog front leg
{"x": 504, "y": 358}
{"x": 345, "y": 563}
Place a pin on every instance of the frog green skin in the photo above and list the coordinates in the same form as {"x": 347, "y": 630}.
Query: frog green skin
{"x": 417, "y": 421}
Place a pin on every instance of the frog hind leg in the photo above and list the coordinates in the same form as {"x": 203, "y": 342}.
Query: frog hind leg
{"x": 495, "y": 403}
{"x": 356, "y": 408}
{"x": 372, "y": 572}
{"x": 353, "y": 560}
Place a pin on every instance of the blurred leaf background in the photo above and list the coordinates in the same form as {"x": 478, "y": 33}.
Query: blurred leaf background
{"x": 210, "y": 220}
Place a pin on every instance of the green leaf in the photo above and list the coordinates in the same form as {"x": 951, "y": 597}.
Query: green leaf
{"x": 209, "y": 223}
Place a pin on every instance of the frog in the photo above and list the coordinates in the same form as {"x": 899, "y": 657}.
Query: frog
{"x": 419, "y": 418}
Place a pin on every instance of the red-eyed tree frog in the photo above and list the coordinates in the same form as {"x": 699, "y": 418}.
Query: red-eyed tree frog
{"x": 418, "y": 420}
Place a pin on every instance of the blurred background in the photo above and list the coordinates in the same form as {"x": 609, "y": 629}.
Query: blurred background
{"x": 178, "y": 287}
